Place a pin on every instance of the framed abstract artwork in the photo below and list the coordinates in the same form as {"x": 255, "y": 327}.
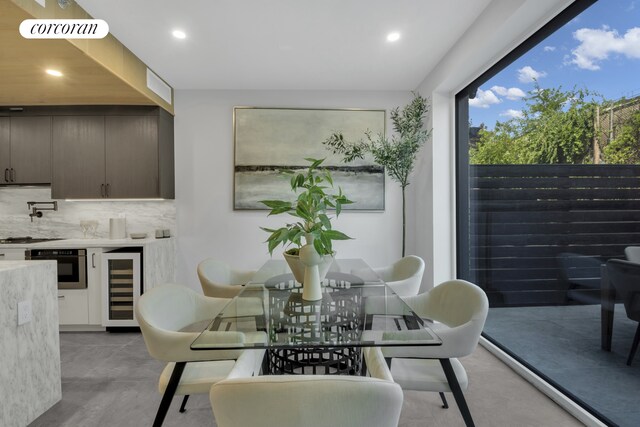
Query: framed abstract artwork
{"x": 268, "y": 140}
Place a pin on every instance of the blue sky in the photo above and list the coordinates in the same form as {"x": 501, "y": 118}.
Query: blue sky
{"x": 598, "y": 50}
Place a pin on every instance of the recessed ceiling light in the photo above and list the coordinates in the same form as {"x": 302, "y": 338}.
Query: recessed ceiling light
{"x": 393, "y": 37}
{"x": 54, "y": 72}
{"x": 179, "y": 34}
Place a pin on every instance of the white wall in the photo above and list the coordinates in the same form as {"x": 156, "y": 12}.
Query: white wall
{"x": 207, "y": 225}
{"x": 502, "y": 26}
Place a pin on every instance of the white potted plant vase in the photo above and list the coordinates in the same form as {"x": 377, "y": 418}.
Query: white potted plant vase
{"x": 311, "y": 283}
{"x": 297, "y": 267}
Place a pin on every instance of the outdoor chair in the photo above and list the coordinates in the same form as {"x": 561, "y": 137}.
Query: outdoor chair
{"x": 581, "y": 275}
{"x": 632, "y": 253}
{"x": 624, "y": 276}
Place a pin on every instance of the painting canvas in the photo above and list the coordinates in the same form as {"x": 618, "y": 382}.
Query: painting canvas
{"x": 268, "y": 140}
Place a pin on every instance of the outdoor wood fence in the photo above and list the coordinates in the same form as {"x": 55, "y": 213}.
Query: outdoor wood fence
{"x": 536, "y": 230}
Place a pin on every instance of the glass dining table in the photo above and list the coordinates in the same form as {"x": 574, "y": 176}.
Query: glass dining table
{"x": 326, "y": 336}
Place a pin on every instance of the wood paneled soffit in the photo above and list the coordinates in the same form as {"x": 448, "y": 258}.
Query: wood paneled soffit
{"x": 96, "y": 72}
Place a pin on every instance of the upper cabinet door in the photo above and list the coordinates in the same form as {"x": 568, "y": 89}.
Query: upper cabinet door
{"x": 78, "y": 157}
{"x": 5, "y": 150}
{"x": 31, "y": 150}
{"x": 132, "y": 156}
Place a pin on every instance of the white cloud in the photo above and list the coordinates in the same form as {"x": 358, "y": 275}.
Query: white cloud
{"x": 597, "y": 44}
{"x": 549, "y": 48}
{"x": 511, "y": 113}
{"x": 484, "y": 99}
{"x": 513, "y": 93}
{"x": 528, "y": 74}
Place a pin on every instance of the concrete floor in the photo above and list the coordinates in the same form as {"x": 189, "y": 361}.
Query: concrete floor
{"x": 563, "y": 343}
{"x": 110, "y": 380}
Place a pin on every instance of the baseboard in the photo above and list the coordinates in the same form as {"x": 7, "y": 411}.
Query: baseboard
{"x": 567, "y": 404}
{"x": 82, "y": 328}
{"x": 123, "y": 329}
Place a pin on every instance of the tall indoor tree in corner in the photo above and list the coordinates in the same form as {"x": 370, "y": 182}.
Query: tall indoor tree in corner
{"x": 398, "y": 154}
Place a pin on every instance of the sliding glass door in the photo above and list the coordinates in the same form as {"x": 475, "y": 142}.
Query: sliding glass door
{"x": 548, "y": 178}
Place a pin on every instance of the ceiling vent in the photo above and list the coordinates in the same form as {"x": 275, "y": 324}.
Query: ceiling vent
{"x": 158, "y": 86}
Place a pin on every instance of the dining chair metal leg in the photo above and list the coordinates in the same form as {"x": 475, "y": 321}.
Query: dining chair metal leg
{"x": 634, "y": 346}
{"x": 363, "y": 366}
{"x": 168, "y": 393}
{"x": 184, "y": 402}
{"x": 445, "y": 405}
{"x": 457, "y": 392}
{"x": 388, "y": 360}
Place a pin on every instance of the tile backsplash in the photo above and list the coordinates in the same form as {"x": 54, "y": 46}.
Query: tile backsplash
{"x": 141, "y": 216}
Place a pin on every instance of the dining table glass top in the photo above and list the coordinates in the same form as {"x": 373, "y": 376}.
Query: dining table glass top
{"x": 357, "y": 309}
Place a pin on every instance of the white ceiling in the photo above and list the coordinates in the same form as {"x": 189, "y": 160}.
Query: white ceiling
{"x": 289, "y": 44}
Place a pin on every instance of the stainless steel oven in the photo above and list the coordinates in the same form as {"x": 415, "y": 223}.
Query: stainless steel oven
{"x": 72, "y": 265}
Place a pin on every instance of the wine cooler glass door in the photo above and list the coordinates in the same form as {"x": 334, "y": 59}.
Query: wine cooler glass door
{"x": 122, "y": 288}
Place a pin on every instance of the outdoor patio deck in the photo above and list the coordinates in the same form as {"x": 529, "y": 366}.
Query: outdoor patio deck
{"x": 563, "y": 343}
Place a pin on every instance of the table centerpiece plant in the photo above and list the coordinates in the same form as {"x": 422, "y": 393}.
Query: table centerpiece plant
{"x": 309, "y": 262}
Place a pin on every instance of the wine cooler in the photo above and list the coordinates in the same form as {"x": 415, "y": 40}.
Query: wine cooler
{"x": 121, "y": 288}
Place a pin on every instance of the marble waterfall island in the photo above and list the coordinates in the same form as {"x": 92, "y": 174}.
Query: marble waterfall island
{"x": 29, "y": 353}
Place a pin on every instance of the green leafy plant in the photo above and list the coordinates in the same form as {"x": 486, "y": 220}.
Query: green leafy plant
{"x": 625, "y": 147}
{"x": 310, "y": 208}
{"x": 398, "y": 154}
{"x": 556, "y": 126}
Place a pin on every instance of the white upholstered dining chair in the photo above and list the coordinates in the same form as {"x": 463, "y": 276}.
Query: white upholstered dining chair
{"x": 403, "y": 276}
{"x": 308, "y": 400}
{"x": 461, "y": 309}
{"x": 163, "y": 313}
{"x": 219, "y": 280}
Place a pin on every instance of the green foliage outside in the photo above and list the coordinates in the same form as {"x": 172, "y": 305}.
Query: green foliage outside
{"x": 625, "y": 148}
{"x": 556, "y": 127}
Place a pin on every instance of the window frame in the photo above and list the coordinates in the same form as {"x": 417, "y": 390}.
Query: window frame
{"x": 462, "y": 192}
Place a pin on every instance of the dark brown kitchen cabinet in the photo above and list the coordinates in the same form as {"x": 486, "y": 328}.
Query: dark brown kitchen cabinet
{"x": 132, "y": 156}
{"x": 117, "y": 156}
{"x": 25, "y": 150}
{"x": 78, "y": 157}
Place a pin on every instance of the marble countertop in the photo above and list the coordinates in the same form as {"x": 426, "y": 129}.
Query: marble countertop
{"x": 11, "y": 265}
{"x": 85, "y": 243}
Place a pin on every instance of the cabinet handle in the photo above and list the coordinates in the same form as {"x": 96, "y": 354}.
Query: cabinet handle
{"x": 13, "y": 175}
{"x": 6, "y": 175}
{"x": 60, "y": 296}
{"x": 93, "y": 260}
{"x": 102, "y": 190}
{"x": 1, "y": 254}
{"x": 108, "y": 186}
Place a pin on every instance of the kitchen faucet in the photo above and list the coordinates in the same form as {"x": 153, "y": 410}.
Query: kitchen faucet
{"x": 36, "y": 210}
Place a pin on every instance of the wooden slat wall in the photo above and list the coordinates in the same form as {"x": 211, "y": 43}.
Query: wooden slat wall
{"x": 523, "y": 216}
